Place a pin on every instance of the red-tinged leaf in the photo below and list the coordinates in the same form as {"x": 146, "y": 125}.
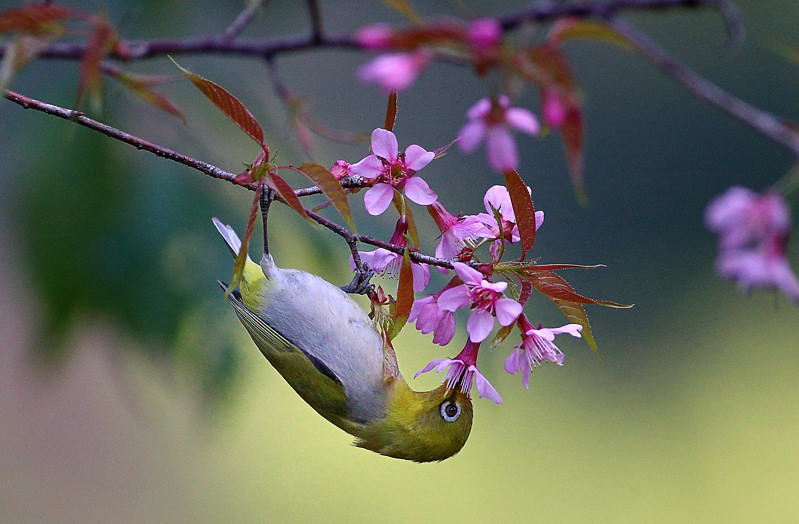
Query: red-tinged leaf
{"x": 573, "y": 132}
{"x": 555, "y": 287}
{"x": 404, "y": 210}
{"x": 523, "y": 209}
{"x": 517, "y": 267}
{"x": 35, "y": 19}
{"x": 441, "y": 151}
{"x": 241, "y": 258}
{"x": 525, "y": 292}
{"x": 573, "y": 28}
{"x": 19, "y": 53}
{"x": 576, "y": 313}
{"x": 101, "y": 43}
{"x": 285, "y": 192}
{"x": 141, "y": 86}
{"x": 501, "y": 335}
{"x": 405, "y": 294}
{"x": 324, "y": 180}
{"x": 404, "y": 8}
{"x": 391, "y": 112}
{"x": 229, "y": 104}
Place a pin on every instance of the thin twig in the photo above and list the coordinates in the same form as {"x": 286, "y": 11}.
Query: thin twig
{"x": 213, "y": 171}
{"x": 763, "y": 122}
{"x": 242, "y": 20}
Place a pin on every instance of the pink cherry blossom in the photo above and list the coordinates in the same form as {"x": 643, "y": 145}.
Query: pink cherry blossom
{"x": 393, "y": 170}
{"x": 492, "y": 121}
{"x": 394, "y": 71}
{"x": 387, "y": 262}
{"x": 375, "y": 36}
{"x": 485, "y": 299}
{"x": 340, "y": 169}
{"x": 430, "y": 318}
{"x": 463, "y": 372}
{"x": 499, "y": 198}
{"x": 456, "y": 232}
{"x": 553, "y": 108}
{"x": 485, "y": 35}
{"x": 537, "y": 346}
{"x": 753, "y": 237}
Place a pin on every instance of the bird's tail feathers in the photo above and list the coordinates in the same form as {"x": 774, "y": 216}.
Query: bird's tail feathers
{"x": 231, "y": 238}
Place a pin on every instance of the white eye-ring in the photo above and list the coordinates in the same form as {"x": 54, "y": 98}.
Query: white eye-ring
{"x": 450, "y": 410}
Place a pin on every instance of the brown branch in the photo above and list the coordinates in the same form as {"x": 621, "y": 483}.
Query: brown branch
{"x": 215, "y": 172}
{"x": 763, "y": 122}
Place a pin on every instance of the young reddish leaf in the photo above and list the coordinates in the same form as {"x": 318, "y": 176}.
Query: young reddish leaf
{"x": 404, "y": 210}
{"x": 229, "y": 104}
{"x": 287, "y": 194}
{"x": 101, "y": 43}
{"x": 141, "y": 86}
{"x": 405, "y": 294}
{"x": 404, "y": 8}
{"x": 501, "y": 335}
{"x": 391, "y": 112}
{"x": 573, "y": 28}
{"x": 241, "y": 258}
{"x": 19, "y": 53}
{"x": 523, "y": 209}
{"x": 35, "y": 19}
{"x": 576, "y": 313}
{"x": 555, "y": 287}
{"x": 441, "y": 151}
{"x": 331, "y": 187}
{"x": 520, "y": 267}
{"x": 572, "y": 132}
{"x": 526, "y": 291}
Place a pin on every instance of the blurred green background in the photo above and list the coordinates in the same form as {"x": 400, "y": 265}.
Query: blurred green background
{"x": 129, "y": 392}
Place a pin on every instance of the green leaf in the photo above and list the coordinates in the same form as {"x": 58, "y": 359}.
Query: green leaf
{"x": 523, "y": 209}
{"x": 332, "y": 189}
{"x": 229, "y": 104}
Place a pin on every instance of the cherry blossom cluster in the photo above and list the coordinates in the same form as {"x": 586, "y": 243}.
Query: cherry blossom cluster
{"x": 393, "y": 172}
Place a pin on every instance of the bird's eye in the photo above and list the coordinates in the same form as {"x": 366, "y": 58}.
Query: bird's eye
{"x": 450, "y": 410}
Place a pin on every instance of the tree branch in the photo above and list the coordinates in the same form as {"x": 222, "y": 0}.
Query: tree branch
{"x": 215, "y": 172}
{"x": 763, "y": 122}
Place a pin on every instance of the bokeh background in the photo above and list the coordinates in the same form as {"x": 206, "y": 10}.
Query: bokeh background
{"x": 129, "y": 392}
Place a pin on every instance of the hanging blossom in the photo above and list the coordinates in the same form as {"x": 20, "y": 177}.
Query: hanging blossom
{"x": 553, "y": 107}
{"x": 492, "y": 121}
{"x": 456, "y": 232}
{"x": 430, "y": 317}
{"x": 537, "y": 346}
{"x": 753, "y": 238}
{"x": 394, "y": 71}
{"x": 498, "y": 197}
{"x": 392, "y": 170}
{"x": 486, "y": 300}
{"x": 340, "y": 169}
{"x": 463, "y": 372}
{"x": 387, "y": 262}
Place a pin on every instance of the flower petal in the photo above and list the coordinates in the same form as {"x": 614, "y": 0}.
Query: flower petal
{"x": 417, "y": 157}
{"x": 522, "y": 120}
{"x": 471, "y": 135}
{"x": 479, "y": 325}
{"x": 454, "y": 298}
{"x": 512, "y": 362}
{"x": 384, "y": 144}
{"x": 479, "y": 109}
{"x": 370, "y": 167}
{"x": 432, "y": 364}
{"x": 468, "y": 274}
{"x": 445, "y": 329}
{"x": 419, "y": 192}
{"x": 484, "y": 387}
{"x": 501, "y": 149}
{"x": 421, "y": 276}
{"x": 378, "y": 198}
{"x": 507, "y": 311}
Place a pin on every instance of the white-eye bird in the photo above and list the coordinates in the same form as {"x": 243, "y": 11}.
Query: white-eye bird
{"x": 329, "y": 350}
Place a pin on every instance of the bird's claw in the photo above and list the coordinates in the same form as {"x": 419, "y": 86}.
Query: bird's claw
{"x": 360, "y": 284}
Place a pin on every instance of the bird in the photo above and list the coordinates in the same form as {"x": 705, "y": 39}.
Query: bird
{"x": 331, "y": 353}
